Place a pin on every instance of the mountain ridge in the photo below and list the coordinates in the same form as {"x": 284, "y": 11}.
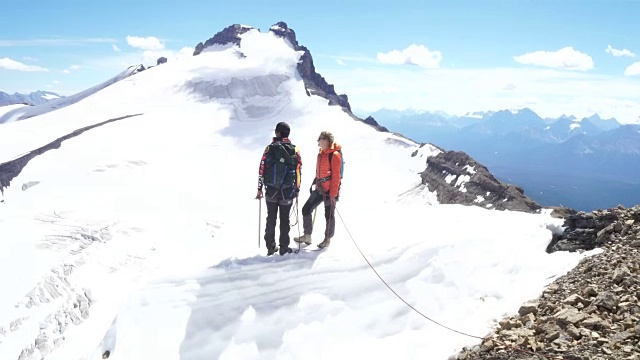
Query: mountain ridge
{"x": 38, "y": 97}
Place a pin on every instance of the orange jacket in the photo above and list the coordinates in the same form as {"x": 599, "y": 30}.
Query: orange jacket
{"x": 328, "y": 175}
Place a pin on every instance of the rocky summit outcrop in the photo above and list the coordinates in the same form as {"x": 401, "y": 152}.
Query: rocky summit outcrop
{"x": 458, "y": 179}
{"x": 592, "y": 312}
{"x": 371, "y": 121}
{"x": 230, "y": 34}
{"x": 315, "y": 84}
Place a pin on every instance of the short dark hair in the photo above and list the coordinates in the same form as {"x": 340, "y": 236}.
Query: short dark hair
{"x": 283, "y": 128}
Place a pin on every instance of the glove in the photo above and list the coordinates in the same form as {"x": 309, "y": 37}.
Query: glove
{"x": 259, "y": 195}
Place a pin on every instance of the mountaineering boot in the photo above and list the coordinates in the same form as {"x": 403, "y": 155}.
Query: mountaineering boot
{"x": 271, "y": 251}
{"x": 286, "y": 250}
{"x": 325, "y": 243}
{"x": 306, "y": 238}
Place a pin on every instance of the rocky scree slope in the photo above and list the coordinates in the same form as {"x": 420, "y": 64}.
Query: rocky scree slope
{"x": 592, "y": 312}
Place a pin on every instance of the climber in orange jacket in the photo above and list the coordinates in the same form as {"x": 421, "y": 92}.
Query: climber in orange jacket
{"x": 327, "y": 189}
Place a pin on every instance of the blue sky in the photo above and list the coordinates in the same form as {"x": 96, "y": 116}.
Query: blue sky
{"x": 455, "y": 56}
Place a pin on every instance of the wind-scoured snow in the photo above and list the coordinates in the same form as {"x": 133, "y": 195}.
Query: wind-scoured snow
{"x": 141, "y": 238}
{"x": 6, "y": 108}
{"x": 470, "y": 169}
{"x": 450, "y": 177}
{"x": 462, "y": 179}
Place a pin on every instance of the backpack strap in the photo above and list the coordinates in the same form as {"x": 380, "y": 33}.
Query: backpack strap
{"x": 279, "y": 143}
{"x": 324, "y": 179}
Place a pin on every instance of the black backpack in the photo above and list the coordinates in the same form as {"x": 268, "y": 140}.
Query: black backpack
{"x": 281, "y": 163}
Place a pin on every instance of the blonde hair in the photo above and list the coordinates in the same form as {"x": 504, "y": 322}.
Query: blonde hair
{"x": 327, "y": 135}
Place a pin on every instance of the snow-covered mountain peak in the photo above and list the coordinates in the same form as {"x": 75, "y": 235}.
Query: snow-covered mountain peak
{"x": 479, "y": 114}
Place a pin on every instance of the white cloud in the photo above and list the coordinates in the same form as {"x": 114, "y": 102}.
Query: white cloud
{"x": 358, "y": 59}
{"x": 413, "y": 55}
{"x": 117, "y": 62}
{"x": 633, "y": 69}
{"x": 184, "y": 52}
{"x": 71, "y": 68}
{"x": 618, "y": 52}
{"x": 340, "y": 62}
{"x": 150, "y": 57}
{"x": 566, "y": 58}
{"x": 9, "y": 64}
{"x": 145, "y": 43}
{"x": 115, "y": 48}
{"x": 509, "y": 87}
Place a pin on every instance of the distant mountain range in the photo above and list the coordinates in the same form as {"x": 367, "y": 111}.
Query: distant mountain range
{"x": 26, "y": 112}
{"x": 34, "y": 98}
{"x": 583, "y": 163}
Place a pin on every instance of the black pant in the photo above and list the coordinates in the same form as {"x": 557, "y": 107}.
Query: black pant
{"x": 276, "y": 202}
{"x": 314, "y": 200}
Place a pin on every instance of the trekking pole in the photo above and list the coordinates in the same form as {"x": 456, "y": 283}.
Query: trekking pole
{"x": 259, "y": 220}
{"x": 314, "y": 217}
{"x": 298, "y": 221}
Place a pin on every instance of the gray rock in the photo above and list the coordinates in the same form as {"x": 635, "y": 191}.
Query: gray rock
{"x": 573, "y": 332}
{"x": 574, "y": 300}
{"x": 528, "y": 308}
{"x": 621, "y": 336}
{"x": 595, "y": 322}
{"x": 607, "y": 300}
{"x": 620, "y": 274}
{"x": 569, "y": 316}
{"x": 590, "y": 291}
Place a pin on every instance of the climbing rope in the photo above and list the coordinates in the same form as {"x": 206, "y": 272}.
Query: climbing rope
{"x": 427, "y": 317}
